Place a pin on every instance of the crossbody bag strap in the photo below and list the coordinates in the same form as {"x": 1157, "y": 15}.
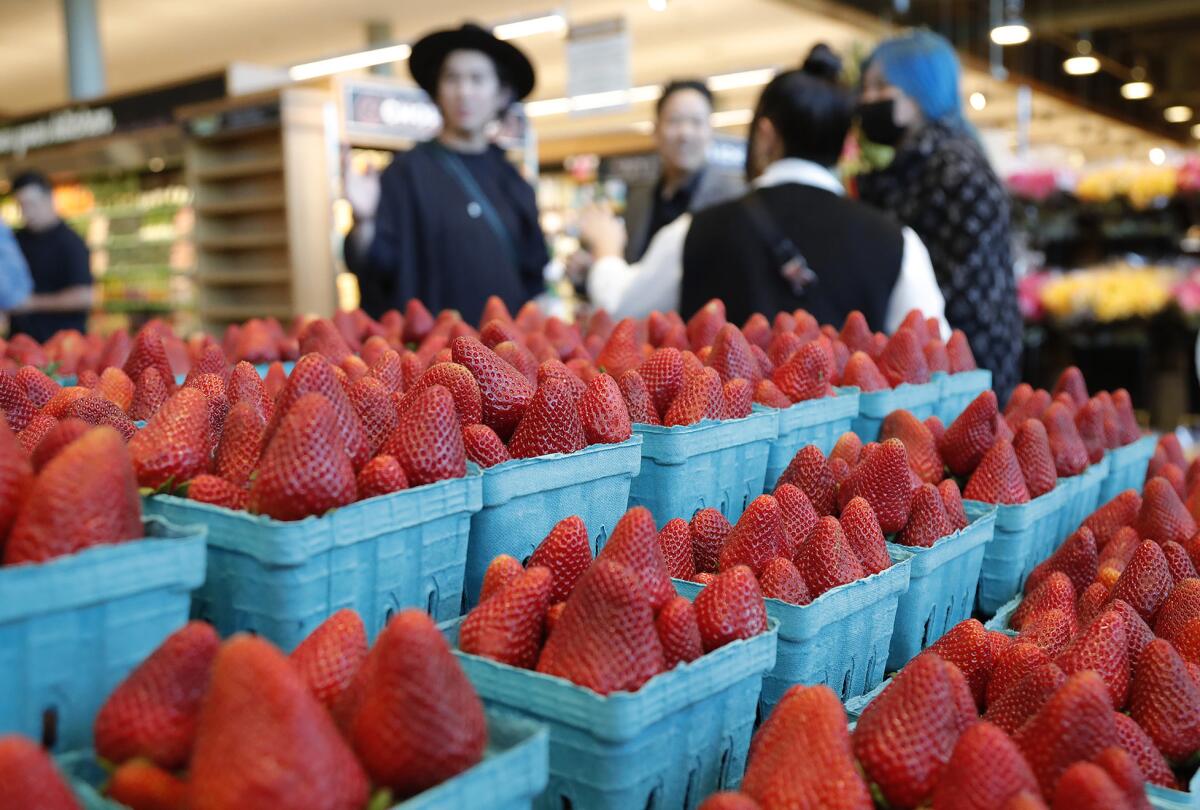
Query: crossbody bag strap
{"x": 454, "y": 166}
{"x": 790, "y": 261}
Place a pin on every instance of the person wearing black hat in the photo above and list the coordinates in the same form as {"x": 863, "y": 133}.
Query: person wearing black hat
{"x": 455, "y": 221}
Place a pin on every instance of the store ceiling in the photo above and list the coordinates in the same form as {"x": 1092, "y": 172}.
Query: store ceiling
{"x": 148, "y": 42}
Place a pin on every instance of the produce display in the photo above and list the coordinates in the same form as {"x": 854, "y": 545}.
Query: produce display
{"x": 1057, "y": 707}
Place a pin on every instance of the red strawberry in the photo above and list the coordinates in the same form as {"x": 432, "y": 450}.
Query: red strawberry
{"x": 1165, "y": 701}
{"x": 1025, "y": 800}
{"x": 149, "y": 396}
{"x": 500, "y": 572}
{"x": 675, "y": 542}
{"x": 637, "y": 399}
{"x": 1033, "y": 455}
{"x": 622, "y": 351}
{"x": 1175, "y": 477}
{"x": 1180, "y": 607}
{"x": 956, "y": 513}
{"x": 1178, "y": 561}
{"x": 985, "y": 770}
{"x": 304, "y": 470}
{"x": 39, "y": 388}
{"x": 862, "y": 373}
{"x": 1024, "y": 697}
{"x": 497, "y": 331}
{"x": 739, "y": 399}
{"x": 709, "y": 529}
{"x": 1146, "y": 581}
{"x": 1134, "y": 741}
{"x": 1103, "y": 648}
{"x": 701, "y": 397}
{"x": 1076, "y": 557}
{"x": 906, "y": 735}
{"x": 85, "y": 496}
{"x": 848, "y": 447}
{"x": 142, "y": 785}
{"x": 1121, "y": 511}
{"x": 246, "y": 386}
{"x": 372, "y": 403}
{"x": 16, "y": 477}
{"x": 456, "y": 379}
{"x": 808, "y": 719}
{"x": 855, "y": 333}
{"x": 927, "y": 521}
{"x": 1071, "y": 382}
{"x": 1055, "y": 591}
{"x": 679, "y": 632}
{"x": 1137, "y": 633}
{"x": 241, "y": 443}
{"x": 864, "y": 535}
{"x": 57, "y": 438}
{"x": 1070, "y": 454}
{"x": 217, "y": 491}
{"x": 483, "y": 446}
{"x": 663, "y": 374}
{"x": 37, "y": 429}
{"x": 1089, "y": 422}
{"x": 313, "y": 375}
{"x": 922, "y": 450}
{"x": 731, "y": 356}
{"x": 153, "y": 712}
{"x": 381, "y": 475}
{"x": 768, "y": 394}
{"x": 914, "y": 320}
{"x": 728, "y": 800}
{"x": 903, "y": 361}
{"x": 1074, "y": 724}
{"x": 730, "y": 608}
{"x": 971, "y": 435}
{"x": 757, "y": 330}
{"x": 1125, "y": 773}
{"x": 966, "y": 645}
{"x": 798, "y": 515}
{"x": 175, "y": 444}
{"x": 634, "y": 543}
{"x": 1085, "y": 786}
{"x": 757, "y": 538}
{"x": 1163, "y": 517}
{"x": 1091, "y": 602}
{"x": 31, "y": 779}
{"x": 213, "y": 388}
{"x": 148, "y": 352}
{"x": 329, "y": 658}
{"x": 1051, "y": 630}
{"x": 806, "y": 375}
{"x": 883, "y": 480}
{"x": 509, "y": 626}
{"x": 504, "y": 392}
{"x": 809, "y": 472}
{"x": 389, "y": 370}
{"x": 1127, "y": 424}
{"x": 826, "y": 560}
{"x": 605, "y": 639}
{"x": 702, "y": 327}
{"x": 428, "y": 442}
{"x": 603, "y": 413}
{"x": 1011, "y": 666}
{"x": 781, "y": 580}
{"x": 567, "y": 552}
{"x": 321, "y": 337}
{"x": 998, "y": 477}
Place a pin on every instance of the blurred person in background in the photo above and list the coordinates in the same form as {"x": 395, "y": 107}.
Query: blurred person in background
{"x": 683, "y": 135}
{"x": 941, "y": 184}
{"x": 59, "y": 264}
{"x": 452, "y": 222}
{"x": 15, "y": 283}
{"x": 795, "y": 240}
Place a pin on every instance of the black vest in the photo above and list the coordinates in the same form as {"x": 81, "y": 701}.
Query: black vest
{"x": 855, "y": 252}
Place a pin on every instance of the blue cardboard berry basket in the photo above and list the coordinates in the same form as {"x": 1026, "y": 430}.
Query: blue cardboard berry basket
{"x": 73, "y": 627}
{"x": 958, "y": 390}
{"x": 512, "y": 774}
{"x": 840, "y": 639}
{"x": 941, "y": 586}
{"x": 874, "y": 406}
{"x": 1004, "y": 614}
{"x": 722, "y": 464}
{"x": 683, "y": 735}
{"x": 818, "y": 421}
{"x": 524, "y": 498}
{"x": 1127, "y": 467}
{"x": 1022, "y": 531}
{"x": 1083, "y": 496}
{"x": 280, "y": 579}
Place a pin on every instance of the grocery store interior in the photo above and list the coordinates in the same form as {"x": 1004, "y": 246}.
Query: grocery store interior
{"x": 599, "y": 404}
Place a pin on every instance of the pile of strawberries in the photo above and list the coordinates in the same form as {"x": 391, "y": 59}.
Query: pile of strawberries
{"x": 608, "y": 624}
{"x": 237, "y": 725}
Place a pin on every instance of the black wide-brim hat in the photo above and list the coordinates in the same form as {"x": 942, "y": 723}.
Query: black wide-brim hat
{"x": 425, "y": 61}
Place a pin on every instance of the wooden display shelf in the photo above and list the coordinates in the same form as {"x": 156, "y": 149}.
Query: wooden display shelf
{"x": 244, "y": 241}
{"x": 247, "y": 205}
{"x": 241, "y": 168}
{"x": 230, "y": 278}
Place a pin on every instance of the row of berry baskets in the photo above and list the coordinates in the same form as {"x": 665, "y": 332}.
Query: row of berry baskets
{"x": 73, "y": 628}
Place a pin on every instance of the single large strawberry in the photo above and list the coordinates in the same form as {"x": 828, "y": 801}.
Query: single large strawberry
{"x": 703, "y": 326}
{"x": 567, "y": 553}
{"x": 428, "y": 442}
{"x": 502, "y": 570}
{"x": 329, "y": 658}
{"x": 1178, "y": 561}
{"x": 1070, "y": 455}
{"x": 883, "y": 480}
{"x": 1125, "y": 773}
{"x": 504, "y": 392}
{"x": 638, "y": 404}
{"x": 373, "y": 405}
{"x": 809, "y": 472}
{"x": 865, "y": 536}
{"x": 731, "y": 356}
{"x": 149, "y": 395}
{"x": 634, "y": 543}
{"x": 967, "y": 646}
{"x": 679, "y": 632}
{"x": 1023, "y": 699}
{"x": 550, "y": 423}
{"x": 96, "y": 410}
{"x": 30, "y": 778}
{"x": 1165, "y": 701}
{"x": 1133, "y": 739}
{"x": 141, "y": 785}
{"x": 605, "y": 639}
{"x": 313, "y": 374}
{"x": 263, "y": 740}
{"x": 1179, "y": 608}
{"x": 1011, "y": 666}
{"x": 862, "y": 373}
{"x": 808, "y": 719}
{"x": 856, "y": 332}
{"x": 217, "y": 491}
{"x": 700, "y": 397}
{"x": 731, "y": 608}
{"x": 1051, "y": 630}
{"x": 806, "y": 374}
{"x": 148, "y": 352}
{"x": 621, "y": 351}
{"x": 998, "y": 478}
{"x": 1077, "y": 557}
{"x": 923, "y": 455}
{"x": 1074, "y": 724}
{"x": 1163, "y": 517}
{"x": 1033, "y": 455}
{"x": 663, "y": 374}
{"x": 956, "y": 513}
{"x": 508, "y": 627}
{"x": 39, "y": 388}
{"x": 971, "y": 435}
{"x": 1085, "y": 786}
{"x": 780, "y": 579}
{"x": 85, "y": 496}
{"x": 757, "y": 538}
{"x": 903, "y": 360}
{"x": 1101, "y": 647}
{"x": 927, "y": 521}
{"x": 1055, "y": 591}
{"x": 709, "y": 529}
{"x": 241, "y": 444}
{"x": 848, "y": 447}
{"x": 1127, "y": 424}
{"x": 985, "y": 770}
{"x": 1146, "y": 581}
{"x": 305, "y": 469}
{"x": 798, "y": 515}
{"x": 1119, "y": 512}
{"x": 675, "y": 542}
{"x": 176, "y": 443}
{"x": 1089, "y": 422}
{"x": 739, "y": 399}
{"x": 603, "y": 413}
{"x": 906, "y": 735}
{"x": 1071, "y": 381}
{"x": 483, "y": 446}
{"x": 826, "y": 560}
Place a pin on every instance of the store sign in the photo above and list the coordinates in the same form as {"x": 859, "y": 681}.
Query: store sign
{"x": 598, "y": 64}
{"x": 392, "y": 111}
{"x": 61, "y": 127}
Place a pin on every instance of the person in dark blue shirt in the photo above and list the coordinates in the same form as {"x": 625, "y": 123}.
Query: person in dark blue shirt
{"x": 58, "y": 261}
{"x": 455, "y": 222}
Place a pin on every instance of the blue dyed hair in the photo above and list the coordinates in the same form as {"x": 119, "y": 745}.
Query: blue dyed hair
{"x": 923, "y": 64}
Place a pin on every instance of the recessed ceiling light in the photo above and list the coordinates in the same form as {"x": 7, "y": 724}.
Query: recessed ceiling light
{"x": 1081, "y": 65}
{"x": 1196, "y": 131}
{"x": 1178, "y": 114}
{"x": 1013, "y": 32}
{"x": 1157, "y": 156}
{"x": 978, "y": 101}
{"x": 1137, "y": 90}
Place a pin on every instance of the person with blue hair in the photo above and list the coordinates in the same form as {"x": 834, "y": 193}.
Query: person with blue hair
{"x": 941, "y": 184}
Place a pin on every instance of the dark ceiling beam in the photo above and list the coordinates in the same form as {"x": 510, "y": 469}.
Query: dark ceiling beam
{"x": 1106, "y": 15}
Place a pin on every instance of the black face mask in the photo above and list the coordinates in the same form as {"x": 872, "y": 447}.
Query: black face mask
{"x": 879, "y": 123}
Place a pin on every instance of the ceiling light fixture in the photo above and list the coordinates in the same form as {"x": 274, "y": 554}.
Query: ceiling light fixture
{"x": 349, "y": 61}
{"x": 1157, "y": 156}
{"x": 978, "y": 101}
{"x": 1083, "y": 63}
{"x": 1178, "y": 114}
{"x": 1137, "y": 90}
{"x": 544, "y": 24}
{"x": 1011, "y": 30}
{"x": 1196, "y": 131}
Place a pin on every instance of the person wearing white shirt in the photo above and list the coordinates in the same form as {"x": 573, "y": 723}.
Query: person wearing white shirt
{"x": 794, "y": 241}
